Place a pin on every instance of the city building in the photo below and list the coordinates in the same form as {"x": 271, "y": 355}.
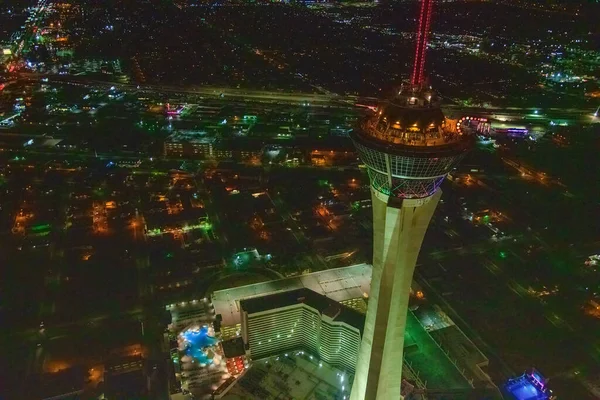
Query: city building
{"x": 185, "y": 313}
{"x": 439, "y": 358}
{"x": 68, "y": 383}
{"x": 409, "y": 147}
{"x": 125, "y": 379}
{"x": 189, "y": 144}
{"x": 341, "y": 284}
{"x": 408, "y": 151}
{"x": 302, "y": 319}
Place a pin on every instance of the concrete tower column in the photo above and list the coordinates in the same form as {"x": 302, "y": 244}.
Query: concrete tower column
{"x": 399, "y": 226}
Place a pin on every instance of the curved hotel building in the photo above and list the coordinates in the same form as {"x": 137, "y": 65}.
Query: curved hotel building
{"x": 302, "y": 319}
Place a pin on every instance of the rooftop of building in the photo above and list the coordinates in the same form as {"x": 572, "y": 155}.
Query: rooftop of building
{"x": 47, "y": 386}
{"x": 233, "y": 347}
{"x": 337, "y": 284}
{"x": 428, "y": 358}
{"x": 190, "y": 136}
{"x": 117, "y": 365}
{"x": 128, "y": 385}
{"x": 321, "y": 303}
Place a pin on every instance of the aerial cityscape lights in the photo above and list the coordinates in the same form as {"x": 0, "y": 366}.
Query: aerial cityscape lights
{"x": 74, "y": 143}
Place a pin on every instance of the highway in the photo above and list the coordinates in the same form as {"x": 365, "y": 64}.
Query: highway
{"x": 500, "y": 114}
{"x": 211, "y": 91}
{"x": 31, "y": 27}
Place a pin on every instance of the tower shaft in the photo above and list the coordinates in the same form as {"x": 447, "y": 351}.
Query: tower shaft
{"x": 399, "y": 226}
{"x": 422, "y": 37}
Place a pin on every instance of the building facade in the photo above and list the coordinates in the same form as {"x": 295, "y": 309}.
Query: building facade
{"x": 189, "y": 144}
{"x": 302, "y": 319}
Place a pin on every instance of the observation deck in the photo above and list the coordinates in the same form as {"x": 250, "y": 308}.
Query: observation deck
{"x": 409, "y": 146}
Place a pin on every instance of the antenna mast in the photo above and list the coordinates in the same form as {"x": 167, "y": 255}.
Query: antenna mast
{"x": 422, "y": 35}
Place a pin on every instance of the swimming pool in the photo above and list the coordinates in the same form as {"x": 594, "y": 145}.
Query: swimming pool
{"x": 196, "y": 341}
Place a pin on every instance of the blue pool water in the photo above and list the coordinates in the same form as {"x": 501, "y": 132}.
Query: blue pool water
{"x": 196, "y": 341}
{"x": 522, "y": 389}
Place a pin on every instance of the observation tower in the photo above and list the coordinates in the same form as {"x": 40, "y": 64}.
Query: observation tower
{"x": 408, "y": 147}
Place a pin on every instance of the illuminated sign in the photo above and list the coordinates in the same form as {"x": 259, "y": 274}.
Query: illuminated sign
{"x": 537, "y": 378}
{"x": 7, "y": 52}
{"x": 468, "y": 120}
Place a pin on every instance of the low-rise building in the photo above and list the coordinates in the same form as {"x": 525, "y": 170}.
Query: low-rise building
{"x": 195, "y": 144}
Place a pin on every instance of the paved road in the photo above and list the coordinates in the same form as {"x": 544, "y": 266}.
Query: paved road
{"x": 509, "y": 113}
{"x": 224, "y": 92}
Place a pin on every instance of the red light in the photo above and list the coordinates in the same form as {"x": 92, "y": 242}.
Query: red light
{"x": 422, "y": 33}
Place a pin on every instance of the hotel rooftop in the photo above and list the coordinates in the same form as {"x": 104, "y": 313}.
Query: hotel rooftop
{"x": 337, "y": 284}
